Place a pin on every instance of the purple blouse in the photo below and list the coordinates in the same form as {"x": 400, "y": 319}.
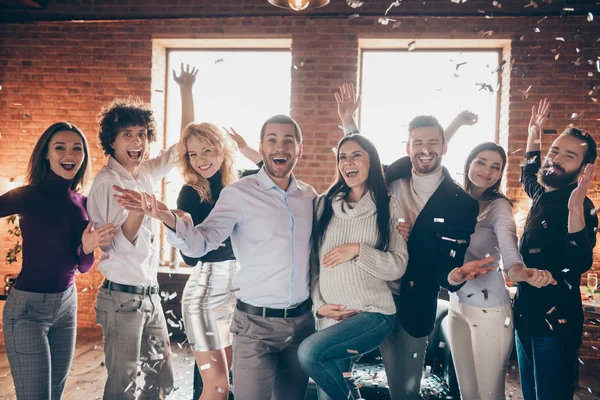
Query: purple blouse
{"x": 52, "y": 218}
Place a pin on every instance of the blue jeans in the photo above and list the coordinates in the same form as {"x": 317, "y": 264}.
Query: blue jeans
{"x": 322, "y": 355}
{"x": 347, "y": 366}
{"x": 547, "y": 366}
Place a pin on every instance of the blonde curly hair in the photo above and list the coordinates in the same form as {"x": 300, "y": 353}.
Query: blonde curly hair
{"x": 211, "y": 136}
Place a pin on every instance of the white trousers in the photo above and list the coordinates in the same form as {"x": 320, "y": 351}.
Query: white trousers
{"x": 481, "y": 345}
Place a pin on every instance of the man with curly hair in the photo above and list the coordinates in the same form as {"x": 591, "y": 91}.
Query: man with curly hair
{"x": 128, "y": 305}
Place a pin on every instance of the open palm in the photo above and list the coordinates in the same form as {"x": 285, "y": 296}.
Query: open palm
{"x": 539, "y": 116}
{"x": 347, "y": 102}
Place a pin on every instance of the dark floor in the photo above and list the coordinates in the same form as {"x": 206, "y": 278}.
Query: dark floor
{"x": 88, "y": 375}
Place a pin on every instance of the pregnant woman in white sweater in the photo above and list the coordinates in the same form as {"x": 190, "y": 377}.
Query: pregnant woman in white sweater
{"x": 357, "y": 250}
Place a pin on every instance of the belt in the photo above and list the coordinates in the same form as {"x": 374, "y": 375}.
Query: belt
{"x": 117, "y": 287}
{"x": 265, "y": 312}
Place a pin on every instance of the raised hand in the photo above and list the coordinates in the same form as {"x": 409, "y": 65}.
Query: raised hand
{"x": 539, "y": 278}
{"x": 237, "y": 138}
{"x": 337, "y": 312}
{"x": 93, "y": 238}
{"x": 583, "y": 185}
{"x": 186, "y": 78}
{"x": 539, "y": 116}
{"x": 340, "y": 254}
{"x": 347, "y": 102}
{"x": 472, "y": 270}
{"x": 466, "y": 118}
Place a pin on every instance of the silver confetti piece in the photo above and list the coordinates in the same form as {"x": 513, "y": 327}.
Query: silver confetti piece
{"x": 534, "y": 251}
{"x": 439, "y": 220}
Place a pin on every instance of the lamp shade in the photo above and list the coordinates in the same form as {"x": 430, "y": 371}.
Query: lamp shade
{"x": 299, "y": 5}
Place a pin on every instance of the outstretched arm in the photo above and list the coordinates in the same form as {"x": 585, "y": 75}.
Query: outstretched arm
{"x": 243, "y": 147}
{"x": 186, "y": 80}
{"x": 539, "y": 116}
{"x": 347, "y": 102}
{"x": 532, "y": 164}
{"x": 463, "y": 118}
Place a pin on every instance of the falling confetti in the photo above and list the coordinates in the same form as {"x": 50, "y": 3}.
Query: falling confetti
{"x": 507, "y": 322}
{"x": 544, "y": 224}
{"x": 352, "y": 16}
{"x": 394, "y": 4}
{"x": 497, "y": 4}
{"x": 205, "y": 366}
{"x": 550, "y": 311}
{"x": 590, "y": 17}
{"x": 531, "y": 4}
{"x": 536, "y": 30}
{"x": 439, "y": 220}
{"x": 568, "y": 284}
{"x": 355, "y": 3}
{"x": 565, "y": 270}
{"x": 347, "y": 374}
{"x": 549, "y": 324}
{"x": 352, "y": 351}
{"x": 534, "y": 251}
{"x": 385, "y": 20}
{"x": 452, "y": 253}
{"x": 412, "y": 45}
{"x": 401, "y": 220}
{"x": 442, "y": 345}
{"x": 485, "y": 86}
{"x": 219, "y": 60}
{"x": 172, "y": 296}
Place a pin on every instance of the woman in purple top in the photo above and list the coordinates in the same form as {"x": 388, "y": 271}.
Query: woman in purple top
{"x": 40, "y": 316}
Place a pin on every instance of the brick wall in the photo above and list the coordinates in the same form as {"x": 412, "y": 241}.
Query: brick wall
{"x": 66, "y": 70}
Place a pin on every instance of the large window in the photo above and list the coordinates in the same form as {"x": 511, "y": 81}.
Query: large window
{"x": 234, "y": 88}
{"x": 399, "y": 85}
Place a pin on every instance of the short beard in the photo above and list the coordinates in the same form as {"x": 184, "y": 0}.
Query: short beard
{"x": 415, "y": 163}
{"x": 556, "y": 181}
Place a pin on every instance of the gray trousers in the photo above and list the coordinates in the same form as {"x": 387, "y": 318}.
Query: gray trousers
{"x": 136, "y": 345}
{"x": 403, "y": 358}
{"x": 39, "y": 333}
{"x": 265, "y": 356}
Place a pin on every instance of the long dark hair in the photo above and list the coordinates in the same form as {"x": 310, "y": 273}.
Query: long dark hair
{"x": 494, "y": 192}
{"x": 39, "y": 165}
{"x": 375, "y": 184}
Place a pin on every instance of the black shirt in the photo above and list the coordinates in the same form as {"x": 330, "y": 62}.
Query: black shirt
{"x": 189, "y": 201}
{"x": 547, "y": 245}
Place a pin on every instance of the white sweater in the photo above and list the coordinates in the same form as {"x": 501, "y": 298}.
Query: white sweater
{"x": 359, "y": 284}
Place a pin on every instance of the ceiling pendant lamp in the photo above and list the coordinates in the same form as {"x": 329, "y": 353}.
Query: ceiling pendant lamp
{"x": 299, "y": 5}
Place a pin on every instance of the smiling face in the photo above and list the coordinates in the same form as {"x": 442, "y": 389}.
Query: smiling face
{"x": 426, "y": 148}
{"x": 353, "y": 164}
{"x": 65, "y": 154}
{"x": 204, "y": 158}
{"x": 130, "y": 146}
{"x": 486, "y": 169}
{"x": 280, "y": 150}
{"x": 563, "y": 163}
